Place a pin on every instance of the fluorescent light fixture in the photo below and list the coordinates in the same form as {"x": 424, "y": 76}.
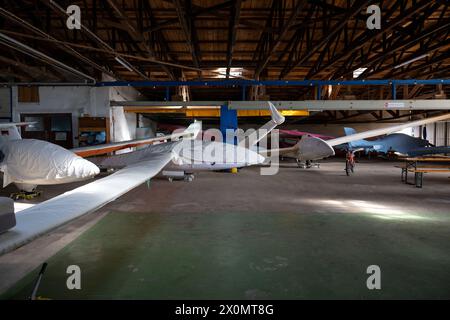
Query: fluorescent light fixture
{"x": 411, "y": 61}
{"x": 124, "y": 64}
{"x": 358, "y": 72}
{"x": 170, "y": 107}
{"x": 234, "y": 72}
{"x": 203, "y": 107}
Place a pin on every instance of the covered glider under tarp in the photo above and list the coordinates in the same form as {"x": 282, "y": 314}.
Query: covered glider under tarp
{"x": 50, "y": 214}
{"x": 46, "y": 163}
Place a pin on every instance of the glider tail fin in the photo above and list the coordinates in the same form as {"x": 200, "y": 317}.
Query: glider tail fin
{"x": 354, "y": 144}
{"x": 276, "y": 119}
{"x": 194, "y": 129}
{"x": 9, "y": 131}
{"x": 349, "y": 131}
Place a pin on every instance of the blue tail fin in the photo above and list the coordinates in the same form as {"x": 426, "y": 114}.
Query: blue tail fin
{"x": 349, "y": 131}
{"x": 355, "y": 144}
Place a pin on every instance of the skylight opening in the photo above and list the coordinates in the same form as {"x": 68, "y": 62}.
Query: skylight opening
{"x": 234, "y": 72}
{"x": 358, "y": 72}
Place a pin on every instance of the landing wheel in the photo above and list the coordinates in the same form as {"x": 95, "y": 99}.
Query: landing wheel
{"x": 349, "y": 168}
{"x": 189, "y": 178}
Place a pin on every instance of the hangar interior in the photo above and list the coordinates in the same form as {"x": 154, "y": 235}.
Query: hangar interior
{"x": 123, "y": 76}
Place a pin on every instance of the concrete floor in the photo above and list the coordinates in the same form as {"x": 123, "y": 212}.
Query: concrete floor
{"x": 301, "y": 234}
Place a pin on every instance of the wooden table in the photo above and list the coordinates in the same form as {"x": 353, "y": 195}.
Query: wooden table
{"x": 421, "y": 165}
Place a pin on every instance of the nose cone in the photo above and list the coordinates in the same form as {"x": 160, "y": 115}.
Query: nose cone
{"x": 312, "y": 148}
{"x": 80, "y": 168}
{"x": 255, "y": 158}
{"x": 261, "y": 159}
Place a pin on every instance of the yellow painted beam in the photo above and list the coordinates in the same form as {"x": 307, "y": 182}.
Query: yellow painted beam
{"x": 295, "y": 113}
{"x": 266, "y": 113}
{"x": 203, "y": 113}
{"x": 214, "y": 112}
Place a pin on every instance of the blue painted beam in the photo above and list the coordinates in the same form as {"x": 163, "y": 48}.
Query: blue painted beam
{"x": 241, "y": 82}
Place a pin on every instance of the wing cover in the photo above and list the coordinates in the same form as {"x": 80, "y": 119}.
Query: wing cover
{"x": 50, "y": 214}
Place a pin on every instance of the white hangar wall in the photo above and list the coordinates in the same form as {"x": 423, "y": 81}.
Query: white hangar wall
{"x": 75, "y": 100}
{"x": 436, "y": 133}
{"x": 94, "y": 101}
{"x": 82, "y": 100}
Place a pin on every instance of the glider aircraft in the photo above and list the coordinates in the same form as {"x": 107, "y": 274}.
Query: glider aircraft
{"x": 310, "y": 148}
{"x": 399, "y": 143}
{"x": 29, "y": 162}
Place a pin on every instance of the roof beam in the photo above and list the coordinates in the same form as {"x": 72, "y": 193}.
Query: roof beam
{"x": 402, "y": 44}
{"x": 10, "y": 16}
{"x": 356, "y": 9}
{"x": 368, "y": 36}
{"x": 137, "y": 36}
{"x": 62, "y": 13}
{"x": 291, "y": 20}
{"x": 29, "y": 70}
{"x": 184, "y": 12}
{"x": 198, "y": 11}
{"x": 232, "y": 30}
{"x": 36, "y": 54}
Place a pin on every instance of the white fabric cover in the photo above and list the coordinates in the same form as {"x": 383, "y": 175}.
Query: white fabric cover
{"x": 50, "y": 214}
{"x": 8, "y": 132}
{"x": 39, "y": 162}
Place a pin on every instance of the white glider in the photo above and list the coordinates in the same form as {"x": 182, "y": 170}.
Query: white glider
{"x": 138, "y": 166}
{"x": 45, "y": 216}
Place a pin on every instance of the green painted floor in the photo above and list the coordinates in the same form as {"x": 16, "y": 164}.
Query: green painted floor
{"x": 242, "y": 255}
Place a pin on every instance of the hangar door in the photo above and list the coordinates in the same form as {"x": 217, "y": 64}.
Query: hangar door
{"x": 52, "y": 127}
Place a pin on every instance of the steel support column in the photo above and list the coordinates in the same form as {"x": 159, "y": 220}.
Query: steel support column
{"x": 228, "y": 120}
{"x": 167, "y": 93}
{"x": 11, "y": 101}
{"x": 394, "y": 91}
{"x": 319, "y": 92}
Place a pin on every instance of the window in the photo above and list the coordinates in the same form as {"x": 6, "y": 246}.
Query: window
{"x": 28, "y": 94}
{"x": 61, "y": 123}
{"x": 38, "y": 124}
